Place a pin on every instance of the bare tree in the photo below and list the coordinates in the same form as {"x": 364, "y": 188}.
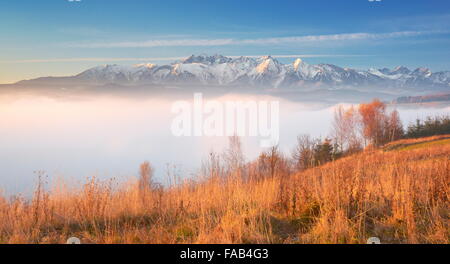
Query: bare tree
{"x": 233, "y": 155}
{"x": 146, "y": 184}
{"x": 395, "y": 126}
{"x": 353, "y": 137}
{"x": 339, "y": 128}
{"x": 213, "y": 166}
{"x": 271, "y": 163}
{"x": 303, "y": 154}
{"x": 345, "y": 130}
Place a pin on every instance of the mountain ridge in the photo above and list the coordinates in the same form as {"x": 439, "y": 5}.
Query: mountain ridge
{"x": 265, "y": 71}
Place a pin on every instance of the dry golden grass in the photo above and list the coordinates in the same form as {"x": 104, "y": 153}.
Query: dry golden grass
{"x": 399, "y": 196}
{"x": 411, "y": 143}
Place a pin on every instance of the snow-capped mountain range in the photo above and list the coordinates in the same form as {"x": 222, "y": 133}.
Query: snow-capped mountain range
{"x": 257, "y": 72}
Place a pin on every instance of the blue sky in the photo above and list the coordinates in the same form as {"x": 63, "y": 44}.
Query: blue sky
{"x": 59, "y": 37}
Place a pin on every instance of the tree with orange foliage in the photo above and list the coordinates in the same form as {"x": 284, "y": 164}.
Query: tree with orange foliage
{"x": 368, "y": 124}
{"x": 379, "y": 127}
{"x": 374, "y": 120}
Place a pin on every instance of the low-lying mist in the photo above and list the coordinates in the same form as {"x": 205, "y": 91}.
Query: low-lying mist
{"x": 109, "y": 136}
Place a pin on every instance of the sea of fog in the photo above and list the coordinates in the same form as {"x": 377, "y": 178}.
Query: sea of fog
{"x": 109, "y": 136}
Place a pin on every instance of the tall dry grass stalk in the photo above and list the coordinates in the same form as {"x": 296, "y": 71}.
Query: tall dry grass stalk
{"x": 399, "y": 196}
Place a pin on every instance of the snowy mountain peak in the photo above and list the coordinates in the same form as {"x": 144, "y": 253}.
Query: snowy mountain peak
{"x": 145, "y": 65}
{"x": 267, "y": 57}
{"x": 400, "y": 70}
{"x": 422, "y": 71}
{"x": 262, "y": 72}
{"x": 215, "y": 59}
{"x": 268, "y": 64}
{"x": 297, "y": 63}
{"x": 176, "y": 69}
{"x": 107, "y": 69}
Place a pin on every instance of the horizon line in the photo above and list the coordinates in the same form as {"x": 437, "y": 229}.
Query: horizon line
{"x": 174, "y": 59}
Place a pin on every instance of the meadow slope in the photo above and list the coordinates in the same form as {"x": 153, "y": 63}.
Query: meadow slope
{"x": 400, "y": 194}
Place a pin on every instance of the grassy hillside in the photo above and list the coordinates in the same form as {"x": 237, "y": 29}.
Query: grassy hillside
{"x": 400, "y": 193}
{"x": 417, "y": 143}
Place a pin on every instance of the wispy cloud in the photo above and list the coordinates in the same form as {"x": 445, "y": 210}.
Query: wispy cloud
{"x": 334, "y": 37}
{"x": 157, "y": 43}
{"x": 256, "y": 41}
{"x": 171, "y": 59}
